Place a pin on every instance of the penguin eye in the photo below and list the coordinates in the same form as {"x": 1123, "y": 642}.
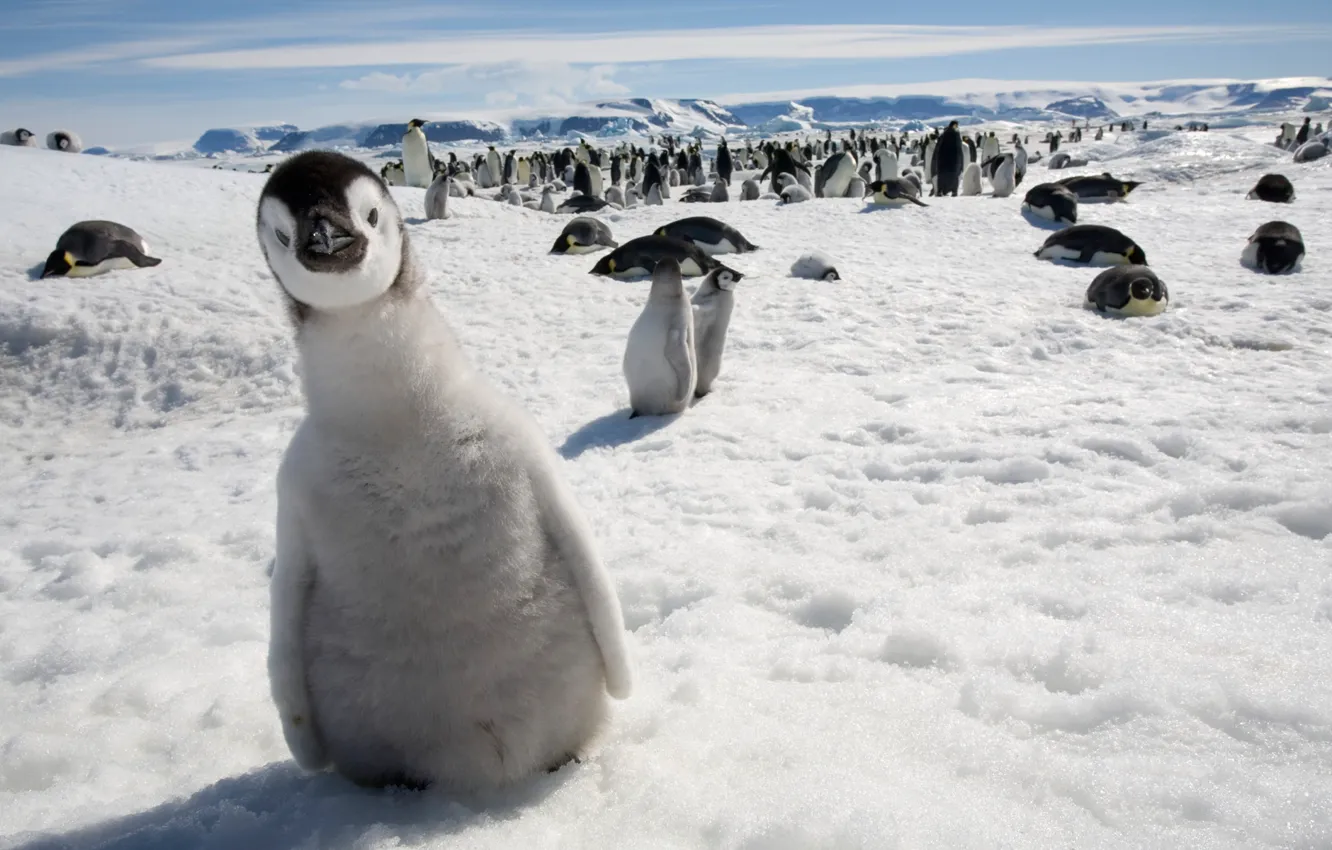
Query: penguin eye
{"x": 373, "y": 218}
{"x": 282, "y": 237}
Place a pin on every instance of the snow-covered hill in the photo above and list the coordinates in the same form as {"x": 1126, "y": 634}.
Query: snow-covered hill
{"x": 945, "y": 561}
{"x": 973, "y": 101}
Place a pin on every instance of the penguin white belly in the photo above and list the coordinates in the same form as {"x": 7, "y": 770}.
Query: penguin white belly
{"x": 109, "y": 265}
{"x": 416, "y": 160}
{"x": 1249, "y": 256}
{"x": 689, "y": 268}
{"x": 632, "y": 271}
{"x": 1140, "y": 307}
{"x": 1043, "y": 212}
{"x": 1108, "y": 258}
{"x": 508, "y": 683}
{"x": 575, "y": 248}
{"x": 881, "y": 200}
{"x": 1060, "y": 252}
{"x": 722, "y": 247}
{"x": 841, "y": 178}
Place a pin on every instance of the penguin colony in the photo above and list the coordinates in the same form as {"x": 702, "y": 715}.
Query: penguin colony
{"x": 389, "y": 680}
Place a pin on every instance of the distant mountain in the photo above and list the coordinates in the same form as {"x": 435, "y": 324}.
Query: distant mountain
{"x": 967, "y": 101}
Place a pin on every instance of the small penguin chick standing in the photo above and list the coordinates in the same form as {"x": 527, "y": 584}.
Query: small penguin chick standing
{"x": 94, "y": 247}
{"x": 660, "y": 365}
{"x": 439, "y": 611}
{"x": 437, "y": 197}
{"x": 713, "y": 302}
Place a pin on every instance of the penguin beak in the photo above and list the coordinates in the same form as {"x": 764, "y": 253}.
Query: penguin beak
{"x": 327, "y": 238}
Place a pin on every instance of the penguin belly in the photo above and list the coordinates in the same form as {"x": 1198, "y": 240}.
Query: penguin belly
{"x": 416, "y": 160}
{"x": 108, "y": 265}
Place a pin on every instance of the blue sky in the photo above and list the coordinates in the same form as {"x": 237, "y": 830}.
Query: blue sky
{"x": 123, "y": 72}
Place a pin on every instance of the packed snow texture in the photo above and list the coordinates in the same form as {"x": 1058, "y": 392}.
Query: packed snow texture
{"x": 943, "y": 561}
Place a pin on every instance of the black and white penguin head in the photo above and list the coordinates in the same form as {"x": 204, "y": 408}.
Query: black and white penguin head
{"x": 415, "y": 123}
{"x": 330, "y": 232}
{"x": 22, "y": 135}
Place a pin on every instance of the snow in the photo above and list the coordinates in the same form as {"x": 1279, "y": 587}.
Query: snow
{"x": 944, "y": 560}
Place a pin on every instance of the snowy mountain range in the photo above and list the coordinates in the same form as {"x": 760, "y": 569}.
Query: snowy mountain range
{"x": 969, "y": 101}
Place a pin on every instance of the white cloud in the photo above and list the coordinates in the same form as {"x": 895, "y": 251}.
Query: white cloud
{"x": 517, "y": 83}
{"x": 763, "y": 42}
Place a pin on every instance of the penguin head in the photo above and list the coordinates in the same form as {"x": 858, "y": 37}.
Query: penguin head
{"x": 22, "y": 135}
{"x": 604, "y": 266}
{"x": 1142, "y": 290}
{"x": 415, "y": 124}
{"x": 726, "y": 278}
{"x": 58, "y": 264}
{"x": 1136, "y": 256}
{"x": 330, "y": 232}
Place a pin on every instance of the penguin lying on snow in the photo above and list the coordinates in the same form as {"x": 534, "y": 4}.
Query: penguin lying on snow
{"x": 1093, "y": 244}
{"x": 638, "y": 257}
{"x": 815, "y": 265}
{"x": 709, "y": 235}
{"x": 1273, "y": 188}
{"x": 582, "y": 204}
{"x": 895, "y": 192}
{"x": 584, "y": 235}
{"x": 1099, "y": 187}
{"x": 1052, "y": 201}
{"x": 64, "y": 141}
{"x": 1274, "y": 248}
{"x": 1127, "y": 291}
{"x": 18, "y": 137}
{"x": 93, "y": 247}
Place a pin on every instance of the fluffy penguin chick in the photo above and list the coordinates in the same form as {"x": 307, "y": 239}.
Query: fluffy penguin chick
{"x": 713, "y": 302}
{"x": 660, "y": 365}
{"x": 439, "y": 610}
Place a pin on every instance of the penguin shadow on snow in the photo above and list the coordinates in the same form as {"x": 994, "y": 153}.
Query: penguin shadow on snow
{"x": 1042, "y": 223}
{"x": 613, "y": 429}
{"x": 281, "y": 806}
{"x": 35, "y": 273}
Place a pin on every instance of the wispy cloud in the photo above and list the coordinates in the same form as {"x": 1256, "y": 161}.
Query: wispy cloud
{"x": 543, "y": 84}
{"x": 85, "y": 56}
{"x": 766, "y": 42}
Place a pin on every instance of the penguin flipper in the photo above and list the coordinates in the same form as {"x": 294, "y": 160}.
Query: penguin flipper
{"x": 294, "y": 574}
{"x": 568, "y": 531}
{"x": 917, "y": 201}
{"x": 134, "y": 255}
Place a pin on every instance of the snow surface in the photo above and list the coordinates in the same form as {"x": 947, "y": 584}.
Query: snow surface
{"x": 943, "y": 561}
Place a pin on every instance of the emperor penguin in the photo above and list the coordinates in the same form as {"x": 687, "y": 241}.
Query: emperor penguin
{"x": 437, "y": 197}
{"x": 990, "y": 147}
{"x": 416, "y": 166}
{"x": 835, "y": 175}
{"x": 94, "y": 247}
{"x": 547, "y": 200}
{"x": 749, "y": 190}
{"x": 885, "y": 163}
{"x": 510, "y": 168}
{"x": 495, "y": 165}
{"x": 439, "y": 612}
{"x": 18, "y": 137}
{"x": 724, "y": 166}
{"x": 713, "y": 302}
{"x": 1004, "y": 180}
{"x": 660, "y": 365}
{"x": 64, "y": 141}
